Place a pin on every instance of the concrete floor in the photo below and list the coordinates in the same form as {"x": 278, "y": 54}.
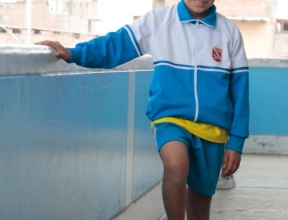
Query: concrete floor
{"x": 261, "y": 192}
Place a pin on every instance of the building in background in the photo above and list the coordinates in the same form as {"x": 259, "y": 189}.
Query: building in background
{"x": 281, "y": 38}
{"x": 64, "y": 20}
{"x": 67, "y": 21}
{"x": 256, "y": 20}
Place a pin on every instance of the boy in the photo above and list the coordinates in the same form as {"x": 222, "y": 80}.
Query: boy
{"x": 198, "y": 95}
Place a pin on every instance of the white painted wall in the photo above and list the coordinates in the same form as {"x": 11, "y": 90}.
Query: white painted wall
{"x": 258, "y": 38}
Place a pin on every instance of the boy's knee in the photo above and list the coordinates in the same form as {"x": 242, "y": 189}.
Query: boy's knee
{"x": 176, "y": 171}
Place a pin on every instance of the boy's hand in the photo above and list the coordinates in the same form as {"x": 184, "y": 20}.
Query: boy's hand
{"x": 61, "y": 52}
{"x": 231, "y": 162}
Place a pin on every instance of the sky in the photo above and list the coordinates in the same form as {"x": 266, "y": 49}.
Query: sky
{"x": 282, "y": 9}
{"x": 115, "y": 13}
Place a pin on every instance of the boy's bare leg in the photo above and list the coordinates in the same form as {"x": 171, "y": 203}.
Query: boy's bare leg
{"x": 198, "y": 205}
{"x": 175, "y": 159}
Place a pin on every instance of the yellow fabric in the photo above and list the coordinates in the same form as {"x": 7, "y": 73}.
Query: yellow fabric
{"x": 207, "y": 132}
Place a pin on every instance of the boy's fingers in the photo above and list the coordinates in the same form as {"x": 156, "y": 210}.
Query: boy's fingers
{"x": 57, "y": 54}
{"x": 229, "y": 167}
{"x": 231, "y": 162}
{"x": 61, "y": 52}
{"x": 236, "y": 166}
{"x": 56, "y": 45}
{"x": 225, "y": 164}
{"x": 45, "y": 42}
{"x": 232, "y": 167}
{"x": 225, "y": 160}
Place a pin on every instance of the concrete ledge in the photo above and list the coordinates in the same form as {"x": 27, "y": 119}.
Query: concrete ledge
{"x": 266, "y": 144}
{"x": 37, "y": 59}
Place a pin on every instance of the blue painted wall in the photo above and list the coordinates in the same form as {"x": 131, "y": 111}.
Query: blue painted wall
{"x": 63, "y": 146}
{"x": 63, "y": 140}
{"x": 268, "y": 101}
{"x": 147, "y": 166}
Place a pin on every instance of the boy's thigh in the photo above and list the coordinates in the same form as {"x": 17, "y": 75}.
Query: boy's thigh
{"x": 172, "y": 143}
{"x": 167, "y": 132}
{"x": 205, "y": 161}
{"x": 205, "y": 158}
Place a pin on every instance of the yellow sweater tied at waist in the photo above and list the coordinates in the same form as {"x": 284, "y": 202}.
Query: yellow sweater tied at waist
{"x": 207, "y": 132}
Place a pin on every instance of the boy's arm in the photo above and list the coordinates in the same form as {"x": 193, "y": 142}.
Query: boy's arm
{"x": 239, "y": 95}
{"x": 240, "y": 99}
{"x": 111, "y": 50}
{"x": 231, "y": 162}
{"x": 108, "y": 51}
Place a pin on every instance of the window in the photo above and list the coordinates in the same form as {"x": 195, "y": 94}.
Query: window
{"x": 2, "y": 30}
{"x": 37, "y": 32}
{"x": 16, "y": 31}
{"x": 285, "y": 27}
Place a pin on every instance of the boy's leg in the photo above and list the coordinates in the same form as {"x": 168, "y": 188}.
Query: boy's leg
{"x": 205, "y": 160}
{"x": 174, "y": 155}
{"x": 198, "y": 205}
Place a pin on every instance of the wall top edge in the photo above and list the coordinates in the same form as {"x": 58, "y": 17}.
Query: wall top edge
{"x": 277, "y": 63}
{"x": 18, "y": 59}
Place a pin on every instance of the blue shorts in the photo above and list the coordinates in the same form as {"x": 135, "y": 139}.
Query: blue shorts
{"x": 205, "y": 158}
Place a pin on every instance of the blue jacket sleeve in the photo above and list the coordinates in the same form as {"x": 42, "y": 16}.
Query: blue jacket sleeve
{"x": 239, "y": 94}
{"x": 108, "y": 51}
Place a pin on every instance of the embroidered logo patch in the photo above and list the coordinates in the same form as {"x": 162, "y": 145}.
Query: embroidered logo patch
{"x": 217, "y": 54}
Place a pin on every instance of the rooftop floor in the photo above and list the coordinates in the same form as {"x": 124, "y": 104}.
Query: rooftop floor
{"x": 261, "y": 192}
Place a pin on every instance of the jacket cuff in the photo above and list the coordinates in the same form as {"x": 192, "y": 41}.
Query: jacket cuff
{"x": 235, "y": 143}
{"x": 75, "y": 55}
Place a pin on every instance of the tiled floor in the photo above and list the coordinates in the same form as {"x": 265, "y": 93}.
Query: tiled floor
{"x": 261, "y": 192}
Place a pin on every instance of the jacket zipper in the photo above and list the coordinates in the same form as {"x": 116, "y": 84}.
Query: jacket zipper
{"x": 196, "y": 71}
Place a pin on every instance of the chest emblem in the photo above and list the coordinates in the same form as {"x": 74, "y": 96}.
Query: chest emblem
{"x": 217, "y": 54}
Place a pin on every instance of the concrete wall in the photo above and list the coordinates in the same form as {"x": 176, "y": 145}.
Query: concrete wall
{"x": 76, "y": 144}
{"x": 268, "y": 107}
{"x": 281, "y": 45}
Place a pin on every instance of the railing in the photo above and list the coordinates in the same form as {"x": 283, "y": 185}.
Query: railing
{"x": 75, "y": 143}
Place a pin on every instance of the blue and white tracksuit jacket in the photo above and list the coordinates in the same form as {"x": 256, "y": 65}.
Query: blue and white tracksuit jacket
{"x": 200, "y": 66}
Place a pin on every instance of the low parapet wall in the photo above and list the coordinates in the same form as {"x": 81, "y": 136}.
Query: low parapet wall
{"x": 268, "y": 107}
{"x": 76, "y": 143}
